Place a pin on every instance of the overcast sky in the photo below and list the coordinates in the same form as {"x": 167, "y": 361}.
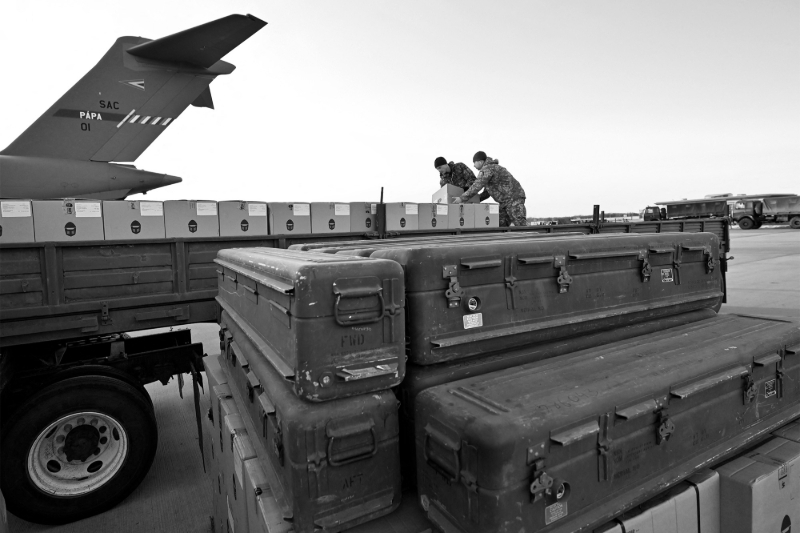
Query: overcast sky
{"x": 617, "y": 103}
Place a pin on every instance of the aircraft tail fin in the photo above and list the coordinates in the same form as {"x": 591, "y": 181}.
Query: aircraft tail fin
{"x": 134, "y": 93}
{"x": 203, "y": 45}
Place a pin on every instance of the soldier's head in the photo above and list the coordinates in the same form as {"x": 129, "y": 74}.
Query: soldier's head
{"x": 441, "y": 165}
{"x": 479, "y": 159}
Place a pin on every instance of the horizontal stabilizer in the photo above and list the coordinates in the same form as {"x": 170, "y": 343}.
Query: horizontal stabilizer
{"x": 202, "y": 45}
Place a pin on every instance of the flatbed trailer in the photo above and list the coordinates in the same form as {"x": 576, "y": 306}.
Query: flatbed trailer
{"x": 65, "y": 309}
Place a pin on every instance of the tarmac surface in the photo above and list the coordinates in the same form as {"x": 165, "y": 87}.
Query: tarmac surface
{"x": 175, "y": 497}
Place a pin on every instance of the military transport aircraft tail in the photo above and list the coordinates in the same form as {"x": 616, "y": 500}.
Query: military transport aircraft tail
{"x": 136, "y": 91}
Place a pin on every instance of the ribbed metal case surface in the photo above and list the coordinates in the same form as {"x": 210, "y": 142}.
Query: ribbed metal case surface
{"x": 470, "y": 298}
{"x": 333, "y": 325}
{"x": 567, "y": 445}
{"x": 337, "y": 462}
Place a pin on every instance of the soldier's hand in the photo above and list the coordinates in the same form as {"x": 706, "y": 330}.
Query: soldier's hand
{"x": 456, "y": 200}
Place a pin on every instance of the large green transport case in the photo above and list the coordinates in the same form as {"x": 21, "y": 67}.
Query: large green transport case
{"x": 567, "y": 445}
{"x": 467, "y": 299}
{"x": 419, "y": 378}
{"x": 337, "y": 462}
{"x": 334, "y": 325}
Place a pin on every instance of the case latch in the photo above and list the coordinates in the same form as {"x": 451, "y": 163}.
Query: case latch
{"x": 750, "y": 389}
{"x": 454, "y": 291}
{"x": 665, "y": 428}
{"x": 541, "y": 481}
{"x": 647, "y": 270}
{"x": 564, "y": 279}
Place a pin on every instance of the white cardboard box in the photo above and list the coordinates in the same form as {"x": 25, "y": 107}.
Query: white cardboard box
{"x": 289, "y": 218}
{"x": 16, "y": 221}
{"x": 243, "y": 218}
{"x": 402, "y": 216}
{"x": 191, "y": 218}
{"x": 462, "y": 216}
{"x": 133, "y": 219}
{"x": 434, "y": 216}
{"x": 487, "y": 215}
{"x": 330, "y": 217}
{"x": 363, "y": 216}
{"x": 689, "y": 507}
{"x": 67, "y": 220}
{"x": 760, "y": 490}
{"x": 446, "y": 194}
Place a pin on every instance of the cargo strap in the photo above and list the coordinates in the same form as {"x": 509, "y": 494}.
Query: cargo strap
{"x": 197, "y": 378}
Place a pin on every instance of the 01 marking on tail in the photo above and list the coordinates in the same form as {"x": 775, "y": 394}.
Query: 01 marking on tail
{"x": 116, "y": 111}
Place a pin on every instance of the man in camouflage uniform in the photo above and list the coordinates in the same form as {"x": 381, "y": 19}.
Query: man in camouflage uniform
{"x": 457, "y": 174}
{"x": 501, "y": 186}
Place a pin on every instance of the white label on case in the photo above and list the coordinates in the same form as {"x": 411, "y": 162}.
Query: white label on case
{"x": 494, "y": 209}
{"x": 473, "y": 321}
{"x": 373, "y": 209}
{"x": 441, "y": 209}
{"x": 341, "y": 209}
{"x": 88, "y": 210}
{"x": 206, "y": 209}
{"x": 555, "y": 512}
{"x": 412, "y": 209}
{"x": 15, "y": 209}
{"x": 257, "y": 210}
{"x": 301, "y": 210}
{"x": 151, "y": 209}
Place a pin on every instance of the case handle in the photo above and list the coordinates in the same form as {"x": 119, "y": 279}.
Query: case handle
{"x": 343, "y": 290}
{"x": 359, "y": 453}
{"x": 609, "y": 254}
{"x": 571, "y": 436}
{"x": 709, "y": 382}
{"x": 432, "y": 434}
{"x": 535, "y": 260}
{"x": 475, "y": 264}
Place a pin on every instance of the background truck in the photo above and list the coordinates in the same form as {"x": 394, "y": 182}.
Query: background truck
{"x": 751, "y": 213}
{"x": 712, "y": 206}
{"x": 78, "y": 429}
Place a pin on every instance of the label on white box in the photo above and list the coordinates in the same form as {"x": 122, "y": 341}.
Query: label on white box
{"x": 412, "y": 209}
{"x": 494, "y": 209}
{"x": 301, "y": 210}
{"x": 151, "y": 209}
{"x": 88, "y": 210}
{"x": 15, "y": 209}
{"x": 373, "y": 209}
{"x": 206, "y": 209}
{"x": 257, "y": 210}
{"x": 441, "y": 209}
{"x": 341, "y": 209}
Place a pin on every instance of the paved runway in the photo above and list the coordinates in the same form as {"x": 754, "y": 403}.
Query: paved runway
{"x": 763, "y": 279}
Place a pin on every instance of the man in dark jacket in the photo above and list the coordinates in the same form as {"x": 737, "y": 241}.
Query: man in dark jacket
{"x": 457, "y": 174}
{"x": 498, "y": 183}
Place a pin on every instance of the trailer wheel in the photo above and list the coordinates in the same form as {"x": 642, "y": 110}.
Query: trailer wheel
{"x": 795, "y": 223}
{"x": 746, "y": 223}
{"x": 76, "y": 448}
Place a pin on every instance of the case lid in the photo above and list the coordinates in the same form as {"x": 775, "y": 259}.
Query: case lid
{"x": 318, "y": 284}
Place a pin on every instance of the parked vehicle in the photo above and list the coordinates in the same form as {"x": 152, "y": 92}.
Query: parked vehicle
{"x": 752, "y": 213}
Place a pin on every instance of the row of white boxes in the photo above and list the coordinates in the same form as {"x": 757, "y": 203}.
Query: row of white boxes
{"x": 87, "y": 220}
{"x": 758, "y": 491}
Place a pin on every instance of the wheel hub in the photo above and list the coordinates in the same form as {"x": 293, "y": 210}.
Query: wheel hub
{"x": 81, "y": 443}
{"x": 77, "y": 454}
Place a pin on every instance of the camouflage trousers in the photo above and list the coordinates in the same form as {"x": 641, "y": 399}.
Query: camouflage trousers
{"x": 513, "y": 213}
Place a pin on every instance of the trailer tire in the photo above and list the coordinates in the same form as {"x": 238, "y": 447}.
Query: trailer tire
{"x": 76, "y": 448}
{"x": 746, "y": 223}
{"x": 794, "y": 223}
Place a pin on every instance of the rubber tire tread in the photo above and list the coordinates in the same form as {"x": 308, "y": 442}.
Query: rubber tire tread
{"x": 103, "y": 394}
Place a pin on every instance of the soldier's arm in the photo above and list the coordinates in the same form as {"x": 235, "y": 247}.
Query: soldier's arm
{"x": 484, "y": 195}
{"x": 479, "y": 183}
{"x": 442, "y": 182}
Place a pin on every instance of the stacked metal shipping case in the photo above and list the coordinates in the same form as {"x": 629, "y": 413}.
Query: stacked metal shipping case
{"x": 551, "y": 382}
{"x": 65, "y": 220}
